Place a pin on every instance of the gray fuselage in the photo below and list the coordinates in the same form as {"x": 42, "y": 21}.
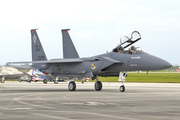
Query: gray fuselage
{"x": 101, "y": 66}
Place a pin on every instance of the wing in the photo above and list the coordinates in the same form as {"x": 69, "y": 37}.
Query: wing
{"x": 22, "y": 67}
{"x": 51, "y": 61}
{"x": 15, "y": 75}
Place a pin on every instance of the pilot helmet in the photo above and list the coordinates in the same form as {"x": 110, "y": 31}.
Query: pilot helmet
{"x": 121, "y": 48}
{"x": 133, "y": 47}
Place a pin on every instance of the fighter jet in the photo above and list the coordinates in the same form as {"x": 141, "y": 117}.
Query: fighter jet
{"x": 32, "y": 75}
{"x": 114, "y": 63}
{"x": 8, "y": 74}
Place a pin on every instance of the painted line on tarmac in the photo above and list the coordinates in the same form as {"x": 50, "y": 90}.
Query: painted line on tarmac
{"x": 50, "y": 116}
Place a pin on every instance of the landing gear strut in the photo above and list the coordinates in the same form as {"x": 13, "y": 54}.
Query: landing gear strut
{"x": 122, "y": 77}
{"x": 72, "y": 86}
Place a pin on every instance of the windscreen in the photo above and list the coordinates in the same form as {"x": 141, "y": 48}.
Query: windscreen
{"x": 128, "y": 40}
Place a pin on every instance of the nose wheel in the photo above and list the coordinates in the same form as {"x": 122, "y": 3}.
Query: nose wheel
{"x": 122, "y": 78}
{"x": 122, "y": 88}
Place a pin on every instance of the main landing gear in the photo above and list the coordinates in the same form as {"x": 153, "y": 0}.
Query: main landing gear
{"x": 56, "y": 80}
{"x": 2, "y": 79}
{"x": 45, "y": 81}
{"x": 72, "y": 86}
{"x": 98, "y": 84}
{"x": 19, "y": 80}
{"x": 122, "y": 77}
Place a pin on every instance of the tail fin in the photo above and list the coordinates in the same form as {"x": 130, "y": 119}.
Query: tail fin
{"x": 69, "y": 51}
{"x": 37, "y": 49}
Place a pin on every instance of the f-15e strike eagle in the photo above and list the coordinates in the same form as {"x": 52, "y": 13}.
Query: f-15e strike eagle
{"x": 115, "y": 63}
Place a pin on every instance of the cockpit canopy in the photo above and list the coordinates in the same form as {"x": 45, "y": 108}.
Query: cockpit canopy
{"x": 127, "y": 40}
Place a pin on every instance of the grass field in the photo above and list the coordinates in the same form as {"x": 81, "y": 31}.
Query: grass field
{"x": 150, "y": 78}
{"x": 153, "y": 77}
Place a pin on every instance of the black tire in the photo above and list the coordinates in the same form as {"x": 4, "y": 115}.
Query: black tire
{"x": 98, "y": 86}
{"x": 19, "y": 80}
{"x": 122, "y": 88}
{"x": 72, "y": 86}
{"x": 45, "y": 81}
{"x": 55, "y": 81}
{"x": 2, "y": 81}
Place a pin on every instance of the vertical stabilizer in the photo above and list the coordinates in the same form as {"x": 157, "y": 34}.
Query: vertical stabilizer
{"x": 37, "y": 49}
{"x": 69, "y": 51}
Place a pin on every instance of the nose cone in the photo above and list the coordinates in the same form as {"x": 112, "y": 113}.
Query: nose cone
{"x": 158, "y": 63}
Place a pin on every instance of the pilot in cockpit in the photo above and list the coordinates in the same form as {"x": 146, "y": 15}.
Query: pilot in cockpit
{"x": 132, "y": 50}
{"x": 120, "y": 49}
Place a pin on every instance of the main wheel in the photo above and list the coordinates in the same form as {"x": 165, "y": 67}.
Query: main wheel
{"x": 45, "y": 81}
{"x": 122, "y": 88}
{"x": 98, "y": 86}
{"x": 2, "y": 81}
{"x": 72, "y": 86}
{"x": 19, "y": 80}
{"x": 55, "y": 81}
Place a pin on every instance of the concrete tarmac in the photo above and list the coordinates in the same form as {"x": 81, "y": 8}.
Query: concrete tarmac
{"x": 140, "y": 101}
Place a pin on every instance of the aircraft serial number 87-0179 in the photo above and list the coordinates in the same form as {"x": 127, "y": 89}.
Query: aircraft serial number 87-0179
{"x": 115, "y": 63}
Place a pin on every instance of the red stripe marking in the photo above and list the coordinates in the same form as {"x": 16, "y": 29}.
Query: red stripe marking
{"x": 33, "y": 30}
{"x": 45, "y": 73}
{"x": 64, "y": 31}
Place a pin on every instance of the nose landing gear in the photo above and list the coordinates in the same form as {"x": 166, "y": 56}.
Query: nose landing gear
{"x": 122, "y": 88}
{"x": 122, "y": 77}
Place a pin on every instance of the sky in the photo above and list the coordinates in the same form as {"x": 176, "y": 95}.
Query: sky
{"x": 96, "y": 26}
